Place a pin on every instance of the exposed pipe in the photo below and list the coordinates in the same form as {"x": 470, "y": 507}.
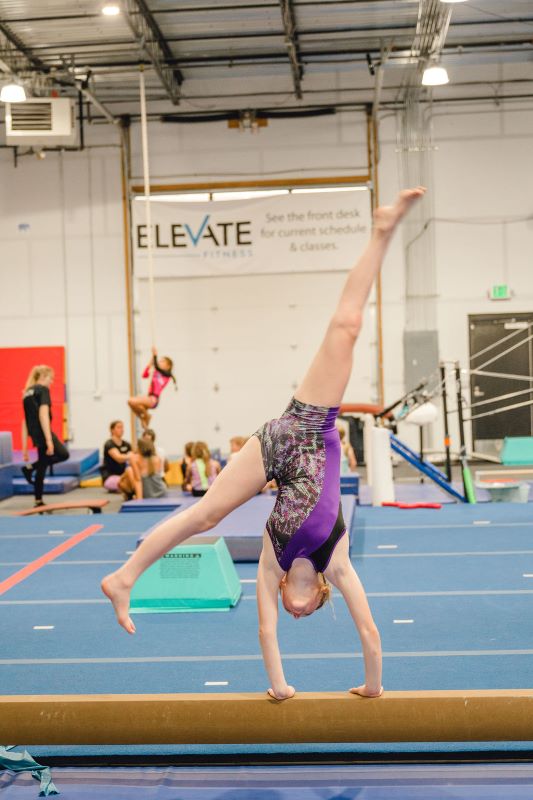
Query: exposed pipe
{"x": 148, "y": 210}
{"x": 125, "y": 172}
{"x": 372, "y": 152}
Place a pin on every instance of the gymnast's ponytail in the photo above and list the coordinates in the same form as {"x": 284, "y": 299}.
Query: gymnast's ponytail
{"x": 36, "y": 374}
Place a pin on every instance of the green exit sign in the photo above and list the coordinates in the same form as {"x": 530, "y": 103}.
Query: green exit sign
{"x": 500, "y": 291}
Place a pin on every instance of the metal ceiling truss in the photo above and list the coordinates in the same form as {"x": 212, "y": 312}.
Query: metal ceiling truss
{"x": 16, "y": 59}
{"x": 14, "y": 56}
{"x": 430, "y": 35}
{"x": 428, "y": 43}
{"x": 149, "y": 37}
{"x": 291, "y": 41}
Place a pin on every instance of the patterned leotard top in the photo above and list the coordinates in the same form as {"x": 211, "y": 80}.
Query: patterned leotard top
{"x": 301, "y": 450}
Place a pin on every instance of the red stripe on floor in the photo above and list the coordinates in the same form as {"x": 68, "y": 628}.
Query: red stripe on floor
{"x": 29, "y": 569}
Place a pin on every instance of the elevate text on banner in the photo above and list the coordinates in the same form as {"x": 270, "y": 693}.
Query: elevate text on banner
{"x": 306, "y": 232}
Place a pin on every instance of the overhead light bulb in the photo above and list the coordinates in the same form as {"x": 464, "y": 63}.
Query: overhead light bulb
{"x": 435, "y": 76}
{"x": 110, "y": 10}
{"x": 12, "y": 92}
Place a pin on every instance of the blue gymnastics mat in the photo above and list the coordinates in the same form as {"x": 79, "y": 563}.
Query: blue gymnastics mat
{"x": 7, "y": 472}
{"x": 81, "y": 460}
{"x": 169, "y": 504}
{"x": 305, "y": 782}
{"x": 350, "y": 484}
{"x": 57, "y": 484}
{"x": 243, "y": 528}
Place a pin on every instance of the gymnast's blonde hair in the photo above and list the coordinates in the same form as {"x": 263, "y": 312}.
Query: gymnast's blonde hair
{"x": 324, "y": 589}
{"x": 37, "y": 373}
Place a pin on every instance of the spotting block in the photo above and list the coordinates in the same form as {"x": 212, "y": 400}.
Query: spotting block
{"x": 198, "y": 575}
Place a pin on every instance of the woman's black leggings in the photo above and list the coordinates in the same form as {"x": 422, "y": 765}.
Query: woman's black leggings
{"x": 43, "y": 462}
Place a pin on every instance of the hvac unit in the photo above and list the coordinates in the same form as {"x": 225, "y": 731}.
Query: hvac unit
{"x": 41, "y": 122}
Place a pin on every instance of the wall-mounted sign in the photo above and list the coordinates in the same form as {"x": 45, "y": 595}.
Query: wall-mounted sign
{"x": 500, "y": 291}
{"x": 288, "y": 233}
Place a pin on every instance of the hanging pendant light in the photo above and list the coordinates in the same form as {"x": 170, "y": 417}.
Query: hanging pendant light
{"x": 12, "y": 92}
{"x": 435, "y": 75}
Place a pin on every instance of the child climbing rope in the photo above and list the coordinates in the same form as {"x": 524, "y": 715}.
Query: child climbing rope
{"x": 159, "y": 370}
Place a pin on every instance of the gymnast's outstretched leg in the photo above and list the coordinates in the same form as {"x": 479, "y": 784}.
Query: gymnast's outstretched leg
{"x": 241, "y": 479}
{"x": 323, "y": 385}
{"x": 329, "y": 373}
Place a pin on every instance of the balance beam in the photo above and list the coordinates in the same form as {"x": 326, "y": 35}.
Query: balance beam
{"x": 95, "y": 506}
{"x": 461, "y": 716}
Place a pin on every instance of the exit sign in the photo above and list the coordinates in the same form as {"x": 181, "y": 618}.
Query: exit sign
{"x": 500, "y": 291}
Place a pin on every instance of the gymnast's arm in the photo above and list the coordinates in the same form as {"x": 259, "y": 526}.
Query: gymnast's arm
{"x": 119, "y": 457}
{"x": 44, "y": 419}
{"x": 342, "y": 575}
{"x": 152, "y": 364}
{"x": 268, "y": 578}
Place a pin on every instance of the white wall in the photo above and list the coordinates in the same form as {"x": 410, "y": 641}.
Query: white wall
{"x": 62, "y": 272}
{"x": 265, "y": 328}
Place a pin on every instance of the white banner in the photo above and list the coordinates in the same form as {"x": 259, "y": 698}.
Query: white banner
{"x": 305, "y": 232}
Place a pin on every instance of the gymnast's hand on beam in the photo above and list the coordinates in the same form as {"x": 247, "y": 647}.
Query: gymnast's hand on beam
{"x": 364, "y": 691}
{"x": 283, "y": 694}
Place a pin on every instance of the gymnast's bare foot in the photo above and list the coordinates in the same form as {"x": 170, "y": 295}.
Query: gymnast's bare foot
{"x": 386, "y": 218}
{"x": 365, "y": 691}
{"x": 114, "y": 587}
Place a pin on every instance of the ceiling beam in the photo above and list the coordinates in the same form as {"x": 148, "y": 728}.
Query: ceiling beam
{"x": 16, "y": 58}
{"x": 149, "y": 37}
{"x": 293, "y": 49}
{"x": 14, "y": 55}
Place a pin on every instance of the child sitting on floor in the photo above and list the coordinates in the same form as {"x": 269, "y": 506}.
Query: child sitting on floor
{"x": 202, "y": 470}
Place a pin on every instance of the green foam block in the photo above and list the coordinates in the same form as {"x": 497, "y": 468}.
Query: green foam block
{"x": 198, "y": 575}
{"x": 517, "y": 451}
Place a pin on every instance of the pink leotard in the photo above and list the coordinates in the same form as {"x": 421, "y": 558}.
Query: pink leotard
{"x": 160, "y": 378}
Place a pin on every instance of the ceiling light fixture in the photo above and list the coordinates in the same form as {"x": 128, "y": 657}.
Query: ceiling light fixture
{"x": 110, "y": 10}
{"x": 435, "y": 76}
{"x": 12, "y": 92}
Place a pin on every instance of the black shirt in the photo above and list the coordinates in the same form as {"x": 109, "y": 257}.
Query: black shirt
{"x": 110, "y": 466}
{"x": 35, "y": 397}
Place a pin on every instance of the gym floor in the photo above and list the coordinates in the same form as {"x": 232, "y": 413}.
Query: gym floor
{"x": 446, "y": 588}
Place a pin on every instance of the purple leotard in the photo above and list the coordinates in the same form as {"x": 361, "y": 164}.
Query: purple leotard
{"x": 301, "y": 450}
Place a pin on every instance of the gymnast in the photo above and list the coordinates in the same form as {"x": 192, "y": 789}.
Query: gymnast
{"x": 304, "y": 542}
{"x": 161, "y": 369}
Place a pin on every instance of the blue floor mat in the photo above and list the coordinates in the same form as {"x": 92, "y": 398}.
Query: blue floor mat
{"x": 58, "y": 484}
{"x": 80, "y": 460}
{"x": 456, "y": 580}
{"x": 384, "y": 782}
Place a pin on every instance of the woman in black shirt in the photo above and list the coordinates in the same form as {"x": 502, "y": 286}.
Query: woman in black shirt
{"x": 116, "y": 454}
{"x": 38, "y": 425}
